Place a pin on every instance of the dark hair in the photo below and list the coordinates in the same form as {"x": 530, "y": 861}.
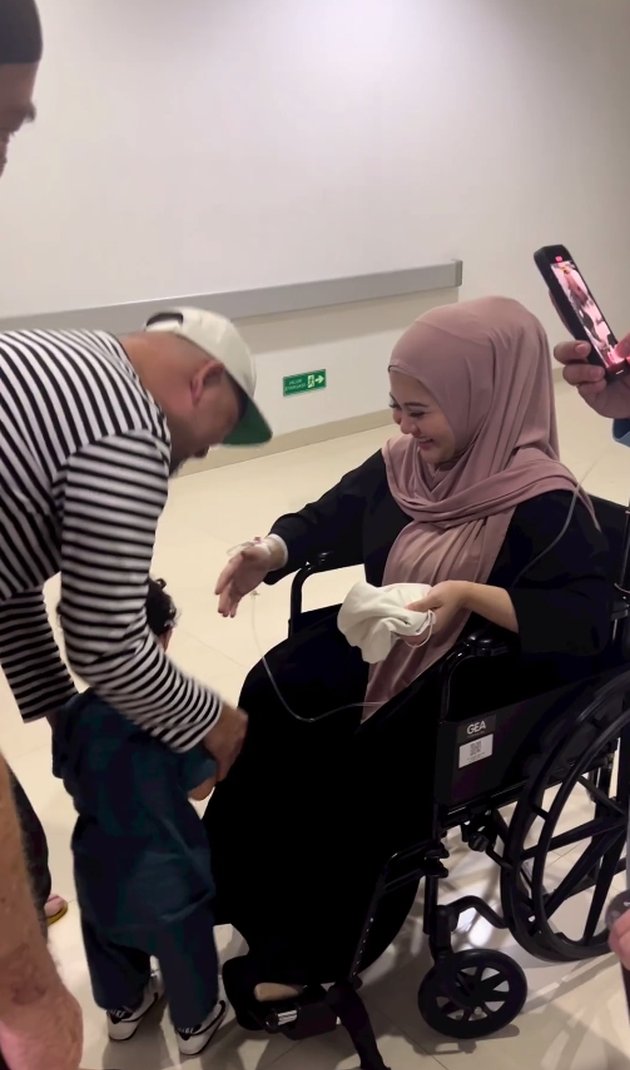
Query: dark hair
{"x": 20, "y": 32}
{"x": 161, "y": 611}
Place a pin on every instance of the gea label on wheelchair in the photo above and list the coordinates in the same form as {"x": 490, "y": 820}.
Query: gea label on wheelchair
{"x": 476, "y": 740}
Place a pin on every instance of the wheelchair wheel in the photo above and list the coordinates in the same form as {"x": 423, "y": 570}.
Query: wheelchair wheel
{"x": 558, "y": 875}
{"x": 471, "y": 994}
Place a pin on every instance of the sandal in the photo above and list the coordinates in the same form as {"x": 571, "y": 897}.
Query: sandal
{"x": 54, "y": 909}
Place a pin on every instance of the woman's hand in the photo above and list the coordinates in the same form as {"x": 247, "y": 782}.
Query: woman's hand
{"x": 446, "y": 600}
{"x": 245, "y": 572}
{"x": 451, "y": 597}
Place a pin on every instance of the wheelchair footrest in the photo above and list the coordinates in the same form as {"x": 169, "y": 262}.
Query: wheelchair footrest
{"x": 308, "y": 1015}
{"x": 314, "y": 1012}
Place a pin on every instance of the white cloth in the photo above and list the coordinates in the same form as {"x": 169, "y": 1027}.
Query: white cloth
{"x": 373, "y": 618}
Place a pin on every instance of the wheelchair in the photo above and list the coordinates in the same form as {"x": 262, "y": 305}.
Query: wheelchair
{"x": 505, "y": 777}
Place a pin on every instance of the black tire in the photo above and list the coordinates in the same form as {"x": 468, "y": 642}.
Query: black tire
{"x": 472, "y": 994}
{"x": 530, "y": 893}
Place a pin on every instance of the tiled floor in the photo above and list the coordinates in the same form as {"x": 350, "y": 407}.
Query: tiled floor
{"x": 575, "y": 1018}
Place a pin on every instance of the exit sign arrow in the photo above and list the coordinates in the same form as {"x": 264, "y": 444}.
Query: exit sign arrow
{"x": 303, "y": 383}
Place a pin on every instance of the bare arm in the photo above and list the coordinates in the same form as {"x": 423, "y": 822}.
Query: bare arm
{"x": 448, "y": 598}
{"x": 493, "y": 603}
{"x": 40, "y": 1022}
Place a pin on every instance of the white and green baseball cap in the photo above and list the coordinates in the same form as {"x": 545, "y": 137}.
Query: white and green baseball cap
{"x": 219, "y": 338}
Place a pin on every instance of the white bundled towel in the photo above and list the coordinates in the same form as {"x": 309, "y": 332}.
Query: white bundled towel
{"x": 373, "y": 618}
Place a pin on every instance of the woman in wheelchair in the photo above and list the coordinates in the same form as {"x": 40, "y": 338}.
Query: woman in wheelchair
{"x": 470, "y": 499}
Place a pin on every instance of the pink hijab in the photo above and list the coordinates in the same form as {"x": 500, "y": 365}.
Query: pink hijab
{"x": 487, "y": 364}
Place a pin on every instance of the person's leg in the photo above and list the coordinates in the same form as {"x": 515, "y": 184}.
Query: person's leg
{"x": 315, "y": 866}
{"x": 276, "y": 790}
{"x": 119, "y": 974}
{"x": 35, "y": 847}
{"x": 188, "y": 960}
{"x": 122, "y": 982}
{"x": 50, "y": 907}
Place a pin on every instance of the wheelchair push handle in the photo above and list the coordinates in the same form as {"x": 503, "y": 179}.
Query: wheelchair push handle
{"x": 323, "y": 562}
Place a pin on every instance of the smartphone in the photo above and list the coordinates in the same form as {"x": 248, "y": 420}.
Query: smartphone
{"x": 579, "y": 309}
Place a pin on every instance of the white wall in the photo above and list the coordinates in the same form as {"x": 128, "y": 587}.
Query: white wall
{"x": 217, "y": 144}
{"x": 350, "y": 341}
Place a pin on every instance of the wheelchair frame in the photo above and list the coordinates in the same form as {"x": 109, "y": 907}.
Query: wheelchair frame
{"x": 473, "y": 993}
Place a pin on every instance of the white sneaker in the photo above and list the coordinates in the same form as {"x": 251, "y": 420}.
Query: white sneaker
{"x": 123, "y": 1023}
{"x": 192, "y": 1041}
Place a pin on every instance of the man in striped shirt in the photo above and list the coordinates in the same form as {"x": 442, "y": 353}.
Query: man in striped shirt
{"x": 90, "y": 429}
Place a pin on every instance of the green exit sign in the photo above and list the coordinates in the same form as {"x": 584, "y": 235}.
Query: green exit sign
{"x": 302, "y": 384}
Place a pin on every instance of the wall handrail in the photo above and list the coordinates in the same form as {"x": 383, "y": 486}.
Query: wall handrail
{"x": 247, "y": 304}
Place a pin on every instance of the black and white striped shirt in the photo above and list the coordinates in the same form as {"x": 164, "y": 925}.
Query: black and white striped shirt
{"x": 84, "y": 467}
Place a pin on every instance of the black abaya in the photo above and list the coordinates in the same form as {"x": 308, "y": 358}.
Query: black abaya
{"x": 318, "y": 808}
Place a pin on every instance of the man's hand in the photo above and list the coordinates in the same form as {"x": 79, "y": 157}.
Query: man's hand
{"x": 46, "y": 1033}
{"x": 203, "y": 790}
{"x": 225, "y": 740}
{"x": 611, "y": 399}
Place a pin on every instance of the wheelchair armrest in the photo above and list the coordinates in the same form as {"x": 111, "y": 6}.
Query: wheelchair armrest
{"x": 327, "y": 561}
{"x": 486, "y": 642}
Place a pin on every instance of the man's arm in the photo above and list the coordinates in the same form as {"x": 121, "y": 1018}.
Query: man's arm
{"x": 30, "y": 657}
{"x": 40, "y": 1022}
{"x": 111, "y": 498}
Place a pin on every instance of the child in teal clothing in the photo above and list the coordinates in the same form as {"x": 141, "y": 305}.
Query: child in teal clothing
{"x": 142, "y": 863}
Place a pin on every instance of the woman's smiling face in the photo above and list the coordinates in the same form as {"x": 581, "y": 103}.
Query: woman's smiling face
{"x": 417, "y": 414}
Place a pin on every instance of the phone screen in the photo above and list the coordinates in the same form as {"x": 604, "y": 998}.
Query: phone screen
{"x": 588, "y": 312}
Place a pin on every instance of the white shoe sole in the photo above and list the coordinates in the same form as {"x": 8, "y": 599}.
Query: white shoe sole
{"x": 126, "y": 1029}
{"x": 196, "y": 1044}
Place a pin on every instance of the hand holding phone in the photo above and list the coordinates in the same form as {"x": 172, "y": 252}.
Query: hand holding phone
{"x": 580, "y": 312}
{"x": 608, "y": 397}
